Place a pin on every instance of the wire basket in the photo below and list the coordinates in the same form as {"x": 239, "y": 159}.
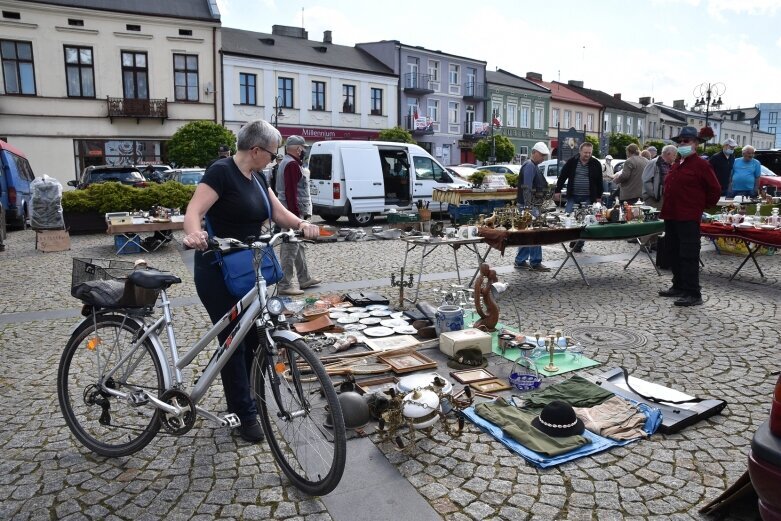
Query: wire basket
{"x": 103, "y": 283}
{"x": 526, "y": 377}
{"x": 85, "y": 270}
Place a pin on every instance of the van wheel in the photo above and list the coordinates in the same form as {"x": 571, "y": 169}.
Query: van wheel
{"x": 361, "y": 219}
{"x": 330, "y": 219}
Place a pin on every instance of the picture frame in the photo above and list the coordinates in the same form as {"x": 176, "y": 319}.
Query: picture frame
{"x": 376, "y": 385}
{"x": 407, "y": 361}
{"x": 477, "y": 396}
{"x": 392, "y": 342}
{"x": 467, "y": 376}
{"x": 490, "y": 386}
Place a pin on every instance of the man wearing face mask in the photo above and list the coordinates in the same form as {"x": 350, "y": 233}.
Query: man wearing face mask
{"x": 722, "y": 164}
{"x": 689, "y": 188}
{"x": 292, "y": 190}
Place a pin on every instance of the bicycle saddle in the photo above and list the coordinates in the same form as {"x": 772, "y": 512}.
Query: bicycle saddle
{"x": 153, "y": 279}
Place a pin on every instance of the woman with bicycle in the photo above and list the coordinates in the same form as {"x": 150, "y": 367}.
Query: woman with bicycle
{"x": 229, "y": 197}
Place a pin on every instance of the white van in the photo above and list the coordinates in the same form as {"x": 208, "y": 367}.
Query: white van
{"x": 363, "y": 179}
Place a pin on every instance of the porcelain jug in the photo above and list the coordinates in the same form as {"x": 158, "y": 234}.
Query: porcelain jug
{"x": 449, "y": 318}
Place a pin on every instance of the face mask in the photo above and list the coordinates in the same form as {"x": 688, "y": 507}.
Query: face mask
{"x": 728, "y": 151}
{"x": 685, "y": 150}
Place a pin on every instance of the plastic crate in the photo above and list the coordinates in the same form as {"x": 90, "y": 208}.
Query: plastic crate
{"x": 403, "y": 218}
{"x": 462, "y": 213}
{"x": 125, "y": 245}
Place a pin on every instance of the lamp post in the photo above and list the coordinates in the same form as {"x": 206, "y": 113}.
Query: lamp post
{"x": 277, "y": 112}
{"x": 492, "y": 159}
{"x": 708, "y": 95}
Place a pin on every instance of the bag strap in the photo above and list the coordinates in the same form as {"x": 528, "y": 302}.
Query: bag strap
{"x": 265, "y": 199}
{"x": 652, "y": 398}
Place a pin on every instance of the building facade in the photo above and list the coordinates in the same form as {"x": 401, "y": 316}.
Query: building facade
{"x": 769, "y": 121}
{"x": 441, "y": 97}
{"x": 618, "y": 116}
{"x": 88, "y": 82}
{"x": 315, "y": 89}
{"x": 523, "y": 109}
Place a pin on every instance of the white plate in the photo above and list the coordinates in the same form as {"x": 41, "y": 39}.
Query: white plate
{"x": 355, "y": 327}
{"x": 398, "y": 314}
{"x": 377, "y": 306}
{"x": 337, "y": 314}
{"x": 371, "y": 321}
{"x": 405, "y": 330}
{"x": 361, "y": 314}
{"x": 355, "y": 309}
{"x": 381, "y": 313}
{"x": 348, "y": 320}
{"x": 393, "y": 322}
{"x": 377, "y": 331}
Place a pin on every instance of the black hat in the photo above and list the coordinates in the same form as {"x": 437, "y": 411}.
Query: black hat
{"x": 558, "y": 420}
{"x": 468, "y": 358}
{"x": 688, "y": 132}
{"x": 224, "y": 148}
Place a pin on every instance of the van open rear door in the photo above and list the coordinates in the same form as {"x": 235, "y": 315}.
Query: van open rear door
{"x": 363, "y": 179}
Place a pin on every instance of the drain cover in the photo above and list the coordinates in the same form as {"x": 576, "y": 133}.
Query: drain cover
{"x": 604, "y": 336}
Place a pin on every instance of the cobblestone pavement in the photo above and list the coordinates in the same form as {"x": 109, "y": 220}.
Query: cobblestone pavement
{"x": 725, "y": 348}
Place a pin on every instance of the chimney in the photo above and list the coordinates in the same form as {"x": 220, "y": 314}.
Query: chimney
{"x": 645, "y": 101}
{"x": 617, "y": 95}
{"x": 293, "y": 32}
{"x": 679, "y": 104}
{"x": 575, "y": 83}
{"x": 327, "y": 38}
{"x": 534, "y": 76}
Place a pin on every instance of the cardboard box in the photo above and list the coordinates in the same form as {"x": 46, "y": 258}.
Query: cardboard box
{"x": 453, "y": 341}
{"x": 52, "y": 240}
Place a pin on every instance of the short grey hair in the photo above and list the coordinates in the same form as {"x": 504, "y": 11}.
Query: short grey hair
{"x": 258, "y": 133}
{"x": 669, "y": 148}
{"x": 585, "y": 144}
{"x": 748, "y": 148}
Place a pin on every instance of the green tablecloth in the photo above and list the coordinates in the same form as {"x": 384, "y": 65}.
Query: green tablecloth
{"x": 609, "y": 232}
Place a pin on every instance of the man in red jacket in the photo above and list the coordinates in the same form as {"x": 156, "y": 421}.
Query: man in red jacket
{"x": 689, "y": 188}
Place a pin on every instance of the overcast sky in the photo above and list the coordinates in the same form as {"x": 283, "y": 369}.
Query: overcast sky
{"x": 658, "y": 48}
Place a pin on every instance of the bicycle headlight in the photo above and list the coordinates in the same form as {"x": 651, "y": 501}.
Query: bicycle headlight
{"x": 275, "y": 306}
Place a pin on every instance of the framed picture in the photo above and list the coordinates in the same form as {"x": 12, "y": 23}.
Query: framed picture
{"x": 407, "y": 361}
{"x": 490, "y": 386}
{"x": 467, "y": 376}
{"x": 392, "y": 342}
{"x": 376, "y": 385}
{"x": 477, "y": 397}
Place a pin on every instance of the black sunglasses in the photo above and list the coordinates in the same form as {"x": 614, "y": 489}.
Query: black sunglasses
{"x": 272, "y": 154}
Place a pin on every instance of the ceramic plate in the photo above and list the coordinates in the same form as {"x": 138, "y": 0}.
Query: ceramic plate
{"x": 405, "y": 330}
{"x": 361, "y": 314}
{"x": 348, "y": 320}
{"x": 393, "y": 322}
{"x": 356, "y": 309}
{"x": 377, "y": 306}
{"x": 355, "y": 327}
{"x": 377, "y": 331}
{"x": 371, "y": 321}
{"x": 381, "y": 313}
{"x": 337, "y": 314}
{"x": 398, "y": 314}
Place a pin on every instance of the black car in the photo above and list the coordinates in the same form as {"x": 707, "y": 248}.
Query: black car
{"x": 771, "y": 159}
{"x": 127, "y": 175}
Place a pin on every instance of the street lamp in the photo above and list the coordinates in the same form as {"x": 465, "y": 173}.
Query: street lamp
{"x": 708, "y": 95}
{"x": 277, "y": 112}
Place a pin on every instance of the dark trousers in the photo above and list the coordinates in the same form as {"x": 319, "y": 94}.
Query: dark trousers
{"x": 682, "y": 238}
{"x": 236, "y": 373}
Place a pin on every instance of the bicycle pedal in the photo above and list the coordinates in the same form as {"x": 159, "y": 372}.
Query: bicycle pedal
{"x": 137, "y": 398}
{"x": 231, "y": 420}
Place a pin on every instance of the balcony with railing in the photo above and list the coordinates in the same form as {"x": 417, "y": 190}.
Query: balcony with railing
{"x": 474, "y": 131}
{"x": 137, "y": 108}
{"x": 415, "y": 83}
{"x": 475, "y": 91}
{"x": 419, "y": 126}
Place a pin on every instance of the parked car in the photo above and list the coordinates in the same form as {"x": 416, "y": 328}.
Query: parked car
{"x": 127, "y": 175}
{"x": 15, "y": 178}
{"x": 461, "y": 173}
{"x": 770, "y": 180}
{"x": 154, "y": 173}
{"x": 186, "y": 176}
{"x": 550, "y": 169}
{"x": 501, "y": 169}
{"x": 770, "y": 159}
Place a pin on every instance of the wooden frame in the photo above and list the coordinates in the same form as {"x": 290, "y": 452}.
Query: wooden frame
{"x": 467, "y": 376}
{"x": 375, "y": 385}
{"x": 475, "y": 395}
{"x": 490, "y": 386}
{"x": 407, "y": 361}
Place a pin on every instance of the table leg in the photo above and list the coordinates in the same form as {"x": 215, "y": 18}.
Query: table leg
{"x": 643, "y": 248}
{"x": 571, "y": 256}
{"x": 750, "y": 255}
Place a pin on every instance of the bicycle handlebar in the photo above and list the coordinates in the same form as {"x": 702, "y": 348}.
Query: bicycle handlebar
{"x": 229, "y": 245}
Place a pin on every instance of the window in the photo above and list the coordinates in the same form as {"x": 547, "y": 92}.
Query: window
{"x": 133, "y": 27}
{"x": 320, "y": 166}
{"x": 18, "y": 71}
{"x": 433, "y": 70}
{"x": 567, "y": 119}
{"x": 590, "y": 122}
{"x": 578, "y": 120}
{"x": 452, "y": 112}
{"x": 426, "y": 168}
{"x": 318, "y": 95}
{"x": 248, "y": 88}
{"x": 606, "y": 123}
{"x": 376, "y": 102}
{"x": 185, "y": 32}
{"x": 525, "y": 116}
{"x": 79, "y": 72}
{"x": 772, "y": 117}
{"x": 433, "y": 109}
{"x": 772, "y": 130}
{"x": 186, "y": 77}
{"x": 75, "y": 22}
{"x": 496, "y": 109}
{"x": 135, "y": 77}
{"x": 640, "y": 124}
{"x": 348, "y": 94}
{"x": 512, "y": 110}
{"x": 539, "y": 117}
{"x": 554, "y": 118}
{"x": 629, "y": 127}
{"x": 285, "y": 92}
{"x": 619, "y": 124}
{"x": 12, "y": 15}
{"x": 454, "y": 71}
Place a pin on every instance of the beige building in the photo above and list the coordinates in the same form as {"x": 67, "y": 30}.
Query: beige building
{"x": 107, "y": 82}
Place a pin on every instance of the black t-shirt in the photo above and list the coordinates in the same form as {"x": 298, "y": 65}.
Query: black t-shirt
{"x": 240, "y": 209}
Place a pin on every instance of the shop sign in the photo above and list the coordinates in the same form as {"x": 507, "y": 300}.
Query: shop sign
{"x": 324, "y": 134}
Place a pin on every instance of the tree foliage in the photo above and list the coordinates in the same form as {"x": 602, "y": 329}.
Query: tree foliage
{"x": 595, "y": 144}
{"x": 116, "y": 197}
{"x": 505, "y": 150}
{"x": 618, "y": 144}
{"x": 198, "y": 142}
{"x": 396, "y": 134}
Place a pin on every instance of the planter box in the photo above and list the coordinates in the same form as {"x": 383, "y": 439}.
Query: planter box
{"x": 83, "y": 223}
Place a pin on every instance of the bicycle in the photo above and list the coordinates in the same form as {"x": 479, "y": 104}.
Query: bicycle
{"x": 117, "y": 386}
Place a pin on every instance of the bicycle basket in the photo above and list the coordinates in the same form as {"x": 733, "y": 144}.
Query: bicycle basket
{"x": 103, "y": 283}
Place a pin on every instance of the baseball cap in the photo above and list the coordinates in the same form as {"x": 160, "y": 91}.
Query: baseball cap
{"x": 608, "y": 156}
{"x": 295, "y": 140}
{"x": 731, "y": 142}
{"x": 224, "y": 148}
{"x": 542, "y": 148}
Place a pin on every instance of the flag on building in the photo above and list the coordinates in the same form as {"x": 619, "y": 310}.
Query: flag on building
{"x": 496, "y": 122}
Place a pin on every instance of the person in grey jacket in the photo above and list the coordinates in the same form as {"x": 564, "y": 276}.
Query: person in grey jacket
{"x": 653, "y": 176}
{"x": 630, "y": 179}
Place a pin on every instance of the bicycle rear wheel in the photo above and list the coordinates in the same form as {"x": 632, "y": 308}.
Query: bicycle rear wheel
{"x": 310, "y": 454}
{"x": 105, "y": 424}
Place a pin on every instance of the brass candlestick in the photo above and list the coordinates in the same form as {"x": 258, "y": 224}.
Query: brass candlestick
{"x": 401, "y": 284}
{"x": 551, "y": 368}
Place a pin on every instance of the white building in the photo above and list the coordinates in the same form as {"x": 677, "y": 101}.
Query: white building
{"x": 108, "y": 81}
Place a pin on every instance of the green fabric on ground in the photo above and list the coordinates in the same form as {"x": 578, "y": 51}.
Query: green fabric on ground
{"x": 577, "y": 391}
{"x": 621, "y": 231}
{"x": 517, "y": 424}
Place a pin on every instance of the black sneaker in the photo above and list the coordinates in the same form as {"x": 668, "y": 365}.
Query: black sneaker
{"x": 521, "y": 265}
{"x": 672, "y": 292}
{"x": 251, "y": 432}
{"x": 539, "y": 267}
{"x": 689, "y": 300}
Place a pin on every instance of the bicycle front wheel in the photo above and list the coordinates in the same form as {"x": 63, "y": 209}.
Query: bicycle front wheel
{"x": 294, "y": 412}
{"x": 103, "y": 423}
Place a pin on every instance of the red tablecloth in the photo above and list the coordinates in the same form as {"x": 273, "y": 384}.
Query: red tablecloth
{"x": 770, "y": 238}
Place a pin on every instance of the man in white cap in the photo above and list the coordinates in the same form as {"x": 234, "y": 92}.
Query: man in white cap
{"x": 722, "y": 163}
{"x": 292, "y": 190}
{"x": 530, "y": 257}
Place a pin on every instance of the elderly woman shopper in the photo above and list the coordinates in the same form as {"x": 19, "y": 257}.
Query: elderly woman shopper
{"x": 229, "y": 195}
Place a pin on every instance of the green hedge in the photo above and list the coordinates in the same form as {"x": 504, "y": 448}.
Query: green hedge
{"x": 116, "y": 197}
